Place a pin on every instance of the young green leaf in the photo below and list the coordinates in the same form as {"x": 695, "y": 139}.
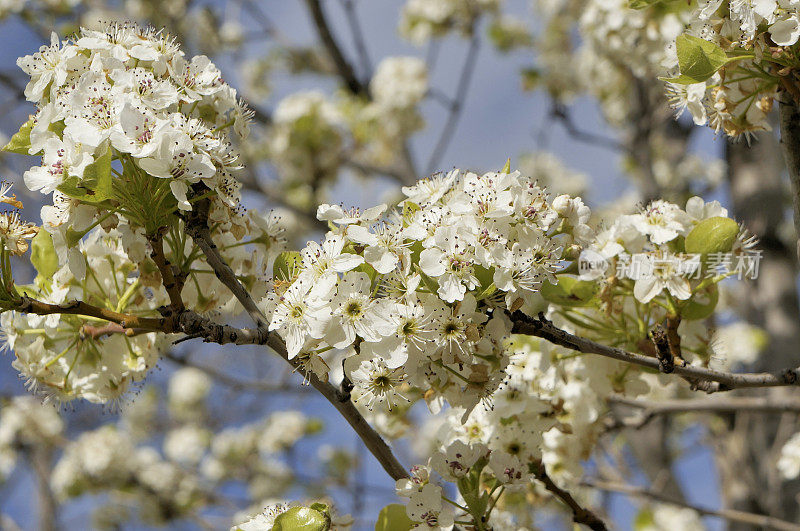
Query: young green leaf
{"x": 393, "y": 517}
{"x": 43, "y": 254}
{"x": 698, "y": 59}
{"x": 20, "y": 143}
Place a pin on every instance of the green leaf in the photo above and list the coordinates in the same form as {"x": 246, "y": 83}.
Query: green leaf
{"x": 570, "y": 291}
{"x": 698, "y": 58}
{"x": 393, "y": 517}
{"x": 701, "y": 304}
{"x": 285, "y": 265}
{"x": 20, "y": 143}
{"x": 57, "y": 128}
{"x": 99, "y": 173}
{"x": 369, "y": 270}
{"x": 43, "y": 254}
{"x": 96, "y": 185}
{"x": 302, "y": 518}
{"x": 712, "y": 235}
{"x": 641, "y": 4}
{"x": 680, "y": 80}
{"x": 507, "y": 167}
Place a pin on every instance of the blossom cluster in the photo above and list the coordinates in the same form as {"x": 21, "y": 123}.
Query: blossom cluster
{"x": 653, "y": 254}
{"x": 548, "y": 411}
{"x": 25, "y": 424}
{"x": 65, "y": 357}
{"x": 125, "y": 125}
{"x": 168, "y": 465}
{"x": 312, "y": 135}
{"x": 423, "y": 20}
{"x": 410, "y": 294}
{"x": 746, "y": 46}
{"x": 625, "y": 90}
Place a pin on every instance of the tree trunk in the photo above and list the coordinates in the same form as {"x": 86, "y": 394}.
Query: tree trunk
{"x": 748, "y": 451}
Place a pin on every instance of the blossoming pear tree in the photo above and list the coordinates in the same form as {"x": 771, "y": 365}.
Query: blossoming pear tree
{"x": 493, "y": 311}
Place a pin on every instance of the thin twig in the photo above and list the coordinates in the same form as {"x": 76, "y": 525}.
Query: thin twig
{"x": 30, "y": 305}
{"x": 650, "y": 409}
{"x": 759, "y": 520}
{"x": 707, "y": 380}
{"x": 456, "y": 105}
{"x": 358, "y": 37}
{"x": 343, "y": 67}
{"x": 580, "y": 515}
{"x": 561, "y": 113}
{"x": 197, "y": 227}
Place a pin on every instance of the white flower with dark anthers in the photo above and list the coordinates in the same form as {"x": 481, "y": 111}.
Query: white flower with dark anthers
{"x": 661, "y": 221}
{"x": 508, "y": 468}
{"x": 457, "y": 459}
{"x": 377, "y": 383}
{"x": 176, "y": 159}
{"x": 93, "y": 110}
{"x": 385, "y": 245}
{"x": 140, "y": 133}
{"x": 450, "y": 327}
{"x": 143, "y": 86}
{"x": 355, "y": 313}
{"x": 419, "y": 476}
{"x": 328, "y": 259}
{"x": 431, "y": 190}
{"x": 531, "y": 206}
{"x": 14, "y": 232}
{"x": 426, "y": 507}
{"x": 48, "y": 65}
{"x": 302, "y": 311}
{"x": 525, "y": 266}
{"x": 449, "y": 260}
{"x": 196, "y": 78}
{"x": 661, "y": 270}
{"x": 61, "y": 159}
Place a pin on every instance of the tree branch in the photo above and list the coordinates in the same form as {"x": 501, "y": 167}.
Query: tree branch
{"x": 194, "y": 324}
{"x": 197, "y": 227}
{"x": 561, "y": 113}
{"x": 707, "y": 380}
{"x": 358, "y": 37}
{"x": 790, "y": 140}
{"x": 457, "y": 104}
{"x": 650, "y": 409}
{"x": 30, "y": 305}
{"x": 42, "y": 463}
{"x": 580, "y": 515}
{"x": 168, "y": 279}
{"x": 761, "y": 521}
{"x": 343, "y": 67}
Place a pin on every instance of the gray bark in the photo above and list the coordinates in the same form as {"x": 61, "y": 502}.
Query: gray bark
{"x": 748, "y": 451}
